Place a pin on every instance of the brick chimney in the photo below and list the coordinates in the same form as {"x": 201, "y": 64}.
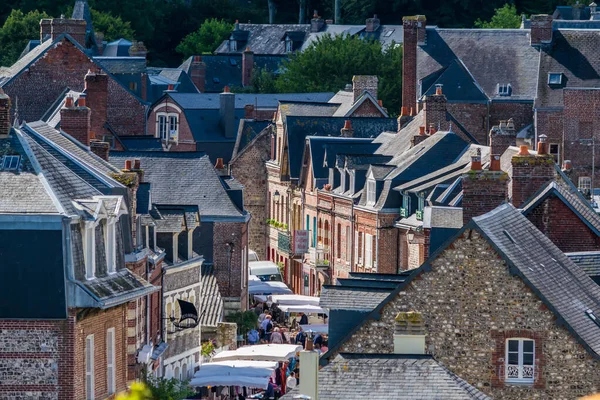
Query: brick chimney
{"x": 76, "y": 28}
{"x": 99, "y": 148}
{"x": 96, "y": 90}
{"x": 138, "y": 49}
{"x": 483, "y": 190}
{"x": 4, "y": 115}
{"x": 434, "y": 108}
{"x": 541, "y": 29}
{"x": 502, "y": 136}
{"x": 45, "y": 28}
{"x": 372, "y": 24}
{"x": 404, "y": 118}
{"x": 219, "y": 164}
{"x": 316, "y": 23}
{"x": 414, "y": 34}
{"x": 362, "y": 83}
{"x": 347, "y": 130}
{"x": 75, "y": 119}
{"x": 530, "y": 172}
{"x": 227, "y": 113}
{"x": 422, "y": 135}
{"x": 247, "y": 66}
{"x": 99, "y": 37}
{"x": 198, "y": 73}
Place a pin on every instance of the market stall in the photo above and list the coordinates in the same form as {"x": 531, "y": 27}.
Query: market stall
{"x": 267, "y": 288}
{"x": 261, "y": 352}
{"x": 294, "y": 299}
{"x": 316, "y": 328}
{"x": 251, "y": 374}
{"x": 304, "y": 308}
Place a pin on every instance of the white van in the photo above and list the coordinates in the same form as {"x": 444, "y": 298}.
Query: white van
{"x": 265, "y": 271}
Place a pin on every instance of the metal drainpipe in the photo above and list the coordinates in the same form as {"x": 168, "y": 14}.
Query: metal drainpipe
{"x": 377, "y": 242}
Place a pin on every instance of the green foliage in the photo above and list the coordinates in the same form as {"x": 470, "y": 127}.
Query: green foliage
{"x": 169, "y": 389}
{"x": 138, "y": 391}
{"x": 208, "y": 348}
{"x": 263, "y": 81}
{"x": 245, "y": 321}
{"x": 112, "y": 27}
{"x": 206, "y": 39}
{"x": 505, "y": 17}
{"x": 329, "y": 64}
{"x": 17, "y": 31}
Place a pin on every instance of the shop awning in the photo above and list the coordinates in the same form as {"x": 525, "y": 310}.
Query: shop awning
{"x": 269, "y": 287}
{"x": 294, "y": 299}
{"x": 252, "y": 374}
{"x": 261, "y": 352}
{"x": 305, "y": 308}
{"x": 317, "y": 328}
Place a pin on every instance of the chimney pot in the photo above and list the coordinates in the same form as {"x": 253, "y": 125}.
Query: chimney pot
{"x": 81, "y": 100}
{"x": 476, "y": 160}
{"x": 226, "y": 89}
{"x": 524, "y": 150}
{"x": 69, "y": 102}
{"x": 495, "y": 163}
{"x": 542, "y": 148}
{"x": 380, "y": 103}
{"x": 136, "y": 163}
{"x": 347, "y": 124}
{"x": 412, "y": 112}
{"x": 171, "y": 87}
{"x": 404, "y": 111}
{"x": 438, "y": 89}
{"x": 128, "y": 165}
{"x": 219, "y": 164}
{"x": 432, "y": 128}
{"x": 422, "y": 130}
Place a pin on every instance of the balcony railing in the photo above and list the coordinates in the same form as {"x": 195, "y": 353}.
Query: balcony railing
{"x": 283, "y": 242}
{"x": 419, "y": 214}
{"x": 403, "y": 212}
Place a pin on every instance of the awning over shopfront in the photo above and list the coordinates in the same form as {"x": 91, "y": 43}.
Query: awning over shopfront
{"x": 261, "y": 352}
{"x": 252, "y": 374}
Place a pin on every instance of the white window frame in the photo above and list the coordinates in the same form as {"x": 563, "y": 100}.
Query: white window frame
{"x": 371, "y": 188}
{"x": 504, "y": 89}
{"x": 356, "y": 247}
{"x": 289, "y": 45}
{"x": 519, "y": 367}
{"x": 584, "y": 183}
{"x": 89, "y": 249}
{"x": 167, "y": 126}
{"x": 110, "y": 239}
{"x": 368, "y": 250}
{"x": 232, "y": 45}
{"x": 11, "y": 163}
{"x": 556, "y": 154}
{"x": 558, "y": 75}
{"x": 89, "y": 368}
{"x": 111, "y": 382}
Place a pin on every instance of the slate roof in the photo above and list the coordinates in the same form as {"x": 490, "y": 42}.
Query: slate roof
{"x": 248, "y": 131}
{"x": 122, "y": 65}
{"x": 573, "y": 54}
{"x": 571, "y": 197}
{"x": 589, "y": 261}
{"x": 211, "y": 309}
{"x": 442, "y": 217}
{"x": 299, "y": 127}
{"x": 390, "y": 376}
{"x": 117, "y": 48}
{"x": 182, "y": 178}
{"x": 491, "y": 56}
{"x": 343, "y": 297}
{"x": 262, "y": 38}
{"x": 141, "y": 143}
{"x": 458, "y": 84}
{"x": 567, "y": 13}
{"x": 325, "y": 149}
{"x": 210, "y": 101}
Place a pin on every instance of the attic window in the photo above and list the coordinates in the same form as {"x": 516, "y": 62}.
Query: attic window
{"x": 554, "y": 78}
{"x": 233, "y": 62}
{"x": 11, "y": 163}
{"x": 504, "y": 89}
{"x": 389, "y": 33}
{"x": 592, "y": 316}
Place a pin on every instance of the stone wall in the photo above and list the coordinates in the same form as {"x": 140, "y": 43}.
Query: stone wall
{"x": 468, "y": 301}
{"x": 229, "y": 271}
{"x": 249, "y": 169}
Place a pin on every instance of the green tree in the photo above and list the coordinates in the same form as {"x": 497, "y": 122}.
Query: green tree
{"x": 168, "y": 389}
{"x": 505, "y": 17}
{"x": 17, "y": 31}
{"x": 245, "y": 321}
{"x": 330, "y": 62}
{"x": 112, "y": 27}
{"x": 206, "y": 39}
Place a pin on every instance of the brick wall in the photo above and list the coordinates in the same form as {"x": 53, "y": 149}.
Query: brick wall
{"x": 249, "y": 169}
{"x": 529, "y": 174}
{"x": 465, "y": 339}
{"x": 37, "y": 359}
{"x": 186, "y": 141}
{"x": 563, "y": 227}
{"x": 230, "y": 280}
{"x": 97, "y": 322}
{"x": 483, "y": 191}
{"x": 367, "y": 109}
{"x": 521, "y": 113}
{"x": 473, "y": 117}
{"x": 65, "y": 66}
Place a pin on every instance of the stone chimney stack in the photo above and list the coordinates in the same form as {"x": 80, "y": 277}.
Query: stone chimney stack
{"x": 409, "y": 333}
{"x": 247, "y": 67}
{"x": 316, "y": 23}
{"x": 96, "y": 90}
{"x": 75, "y": 119}
{"x": 372, "y": 24}
{"x": 4, "y": 115}
{"x": 483, "y": 190}
{"x": 45, "y": 29}
{"x": 502, "y": 136}
{"x": 414, "y": 34}
{"x": 541, "y": 29}
{"x": 76, "y": 28}
{"x": 530, "y": 172}
{"x": 227, "y": 113}
{"x": 364, "y": 83}
{"x": 138, "y": 49}
{"x": 198, "y": 73}
{"x": 434, "y": 109}
{"x": 99, "y": 37}
{"x": 99, "y": 148}
{"x": 347, "y": 130}
{"x": 416, "y": 139}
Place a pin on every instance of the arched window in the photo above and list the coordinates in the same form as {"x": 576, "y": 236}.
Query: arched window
{"x": 320, "y": 232}
{"x": 326, "y": 234}
{"x": 176, "y": 374}
{"x": 184, "y": 372}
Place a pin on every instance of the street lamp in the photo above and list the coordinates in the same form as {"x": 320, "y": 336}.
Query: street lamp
{"x": 411, "y": 236}
{"x": 276, "y": 196}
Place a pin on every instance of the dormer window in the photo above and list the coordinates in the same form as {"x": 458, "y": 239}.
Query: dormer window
{"x": 289, "y": 45}
{"x": 232, "y": 45}
{"x": 111, "y": 245}
{"x": 555, "y": 78}
{"x": 10, "y": 163}
{"x": 504, "y": 89}
{"x": 167, "y": 126}
{"x": 89, "y": 249}
{"x": 371, "y": 192}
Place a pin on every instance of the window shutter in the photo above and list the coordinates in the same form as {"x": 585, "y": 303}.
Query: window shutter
{"x": 89, "y": 367}
{"x": 110, "y": 360}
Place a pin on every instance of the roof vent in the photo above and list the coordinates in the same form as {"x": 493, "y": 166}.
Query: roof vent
{"x": 11, "y": 163}
{"x": 592, "y": 316}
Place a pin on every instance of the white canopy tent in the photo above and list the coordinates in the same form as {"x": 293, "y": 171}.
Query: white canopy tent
{"x": 266, "y": 288}
{"x": 305, "y": 308}
{"x": 261, "y": 352}
{"x": 318, "y": 328}
{"x": 294, "y": 299}
{"x": 252, "y": 374}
